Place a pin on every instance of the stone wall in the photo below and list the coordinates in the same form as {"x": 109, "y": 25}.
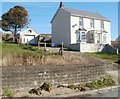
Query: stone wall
{"x": 22, "y": 77}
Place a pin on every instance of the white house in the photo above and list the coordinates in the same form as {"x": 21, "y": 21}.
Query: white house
{"x": 29, "y": 36}
{"x": 80, "y": 30}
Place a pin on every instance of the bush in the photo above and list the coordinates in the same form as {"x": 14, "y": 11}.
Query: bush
{"x": 36, "y": 91}
{"x": 72, "y": 87}
{"x": 8, "y": 93}
{"x": 24, "y": 46}
{"x": 82, "y": 88}
{"x": 46, "y": 86}
{"x": 103, "y": 82}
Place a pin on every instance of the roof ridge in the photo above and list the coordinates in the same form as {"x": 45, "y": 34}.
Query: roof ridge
{"x": 83, "y": 13}
{"x": 81, "y": 10}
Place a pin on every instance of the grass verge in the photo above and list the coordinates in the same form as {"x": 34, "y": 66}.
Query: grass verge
{"x": 27, "y": 55}
{"x": 110, "y": 57}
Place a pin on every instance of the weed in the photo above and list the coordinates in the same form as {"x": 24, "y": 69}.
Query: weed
{"x": 8, "y": 93}
{"x": 46, "y": 86}
{"x": 103, "y": 82}
{"x": 82, "y": 88}
{"x": 36, "y": 91}
{"x": 72, "y": 86}
{"x": 63, "y": 86}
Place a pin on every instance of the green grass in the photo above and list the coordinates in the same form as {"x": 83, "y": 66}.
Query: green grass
{"x": 8, "y": 93}
{"x": 110, "y": 57}
{"x": 19, "y": 49}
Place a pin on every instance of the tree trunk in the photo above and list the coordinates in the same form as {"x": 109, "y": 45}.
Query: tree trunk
{"x": 15, "y": 32}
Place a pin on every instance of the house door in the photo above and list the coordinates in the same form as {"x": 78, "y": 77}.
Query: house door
{"x": 98, "y": 38}
{"x": 81, "y": 36}
{"x": 78, "y": 36}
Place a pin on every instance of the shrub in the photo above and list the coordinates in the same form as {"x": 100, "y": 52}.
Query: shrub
{"x": 46, "y": 86}
{"x": 8, "y": 93}
{"x": 36, "y": 91}
{"x": 24, "y": 46}
{"x": 63, "y": 86}
{"x": 103, "y": 82}
{"x": 82, "y": 88}
{"x": 72, "y": 87}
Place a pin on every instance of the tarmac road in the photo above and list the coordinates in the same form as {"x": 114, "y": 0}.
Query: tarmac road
{"x": 114, "y": 94}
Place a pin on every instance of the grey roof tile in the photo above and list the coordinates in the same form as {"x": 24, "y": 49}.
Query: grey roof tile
{"x": 84, "y": 13}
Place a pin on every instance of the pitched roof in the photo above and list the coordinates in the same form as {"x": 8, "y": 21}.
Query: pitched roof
{"x": 118, "y": 38}
{"x": 84, "y": 14}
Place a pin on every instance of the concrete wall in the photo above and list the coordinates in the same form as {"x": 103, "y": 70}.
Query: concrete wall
{"x": 22, "y": 77}
{"x": 61, "y": 28}
{"x": 87, "y": 47}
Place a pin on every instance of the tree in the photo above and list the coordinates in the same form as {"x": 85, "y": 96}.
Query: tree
{"x": 14, "y": 20}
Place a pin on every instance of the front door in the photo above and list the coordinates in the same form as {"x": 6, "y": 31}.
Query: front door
{"x": 98, "y": 38}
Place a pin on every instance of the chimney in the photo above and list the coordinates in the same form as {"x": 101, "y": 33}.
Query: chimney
{"x": 61, "y": 5}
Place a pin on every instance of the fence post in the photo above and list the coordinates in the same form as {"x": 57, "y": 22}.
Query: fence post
{"x": 45, "y": 45}
{"x": 27, "y": 42}
{"x": 62, "y": 49}
{"x": 38, "y": 45}
{"x": 24, "y": 40}
{"x": 117, "y": 51}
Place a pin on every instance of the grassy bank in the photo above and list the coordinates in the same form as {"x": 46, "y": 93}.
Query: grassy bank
{"x": 110, "y": 57}
{"x": 27, "y": 55}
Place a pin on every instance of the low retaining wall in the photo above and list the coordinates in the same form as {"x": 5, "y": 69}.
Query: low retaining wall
{"x": 22, "y": 77}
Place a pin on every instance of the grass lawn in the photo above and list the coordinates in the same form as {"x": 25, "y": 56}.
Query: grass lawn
{"x": 111, "y": 57}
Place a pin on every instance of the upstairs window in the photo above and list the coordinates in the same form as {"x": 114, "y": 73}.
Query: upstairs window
{"x": 102, "y": 25}
{"x": 91, "y": 23}
{"x": 81, "y": 22}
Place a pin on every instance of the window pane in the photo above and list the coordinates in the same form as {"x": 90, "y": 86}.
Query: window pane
{"x": 92, "y": 23}
{"x": 83, "y": 37}
{"x": 98, "y": 38}
{"x": 81, "y": 21}
{"x": 102, "y": 24}
{"x": 78, "y": 36}
{"x": 104, "y": 38}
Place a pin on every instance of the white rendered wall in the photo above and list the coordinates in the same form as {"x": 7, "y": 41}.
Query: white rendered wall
{"x": 86, "y": 25}
{"x": 61, "y": 28}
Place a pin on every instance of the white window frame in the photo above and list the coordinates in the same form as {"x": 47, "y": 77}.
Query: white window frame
{"x": 104, "y": 38}
{"x": 98, "y": 37}
{"x": 102, "y": 25}
{"x": 91, "y": 23}
{"x": 81, "y": 22}
{"x": 78, "y": 36}
{"x": 81, "y": 36}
